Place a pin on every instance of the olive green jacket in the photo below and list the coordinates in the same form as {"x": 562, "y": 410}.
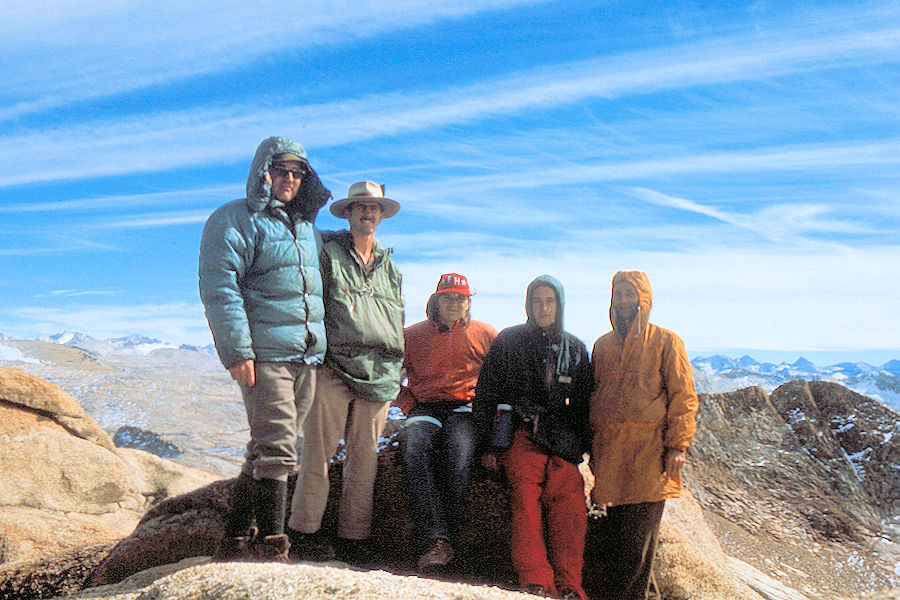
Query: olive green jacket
{"x": 363, "y": 319}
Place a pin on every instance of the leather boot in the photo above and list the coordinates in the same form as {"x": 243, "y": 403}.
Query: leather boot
{"x": 271, "y": 548}
{"x": 271, "y": 506}
{"x": 239, "y": 532}
{"x": 243, "y": 503}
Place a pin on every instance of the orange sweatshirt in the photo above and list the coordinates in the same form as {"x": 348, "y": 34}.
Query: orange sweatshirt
{"x": 443, "y": 365}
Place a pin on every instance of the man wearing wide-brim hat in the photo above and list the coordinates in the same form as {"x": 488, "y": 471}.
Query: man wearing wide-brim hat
{"x": 365, "y": 191}
{"x": 360, "y": 377}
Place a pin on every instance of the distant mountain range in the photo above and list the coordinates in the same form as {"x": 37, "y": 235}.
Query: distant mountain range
{"x": 132, "y": 344}
{"x": 713, "y": 374}
{"x": 721, "y": 374}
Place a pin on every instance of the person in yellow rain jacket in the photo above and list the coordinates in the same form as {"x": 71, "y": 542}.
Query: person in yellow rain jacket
{"x": 643, "y": 413}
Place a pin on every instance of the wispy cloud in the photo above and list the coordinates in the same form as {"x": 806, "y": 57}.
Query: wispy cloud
{"x": 70, "y": 44}
{"x": 154, "y": 220}
{"x": 76, "y": 293}
{"x": 168, "y": 140}
{"x": 129, "y": 202}
{"x": 48, "y": 243}
{"x": 783, "y": 223}
{"x": 520, "y": 186}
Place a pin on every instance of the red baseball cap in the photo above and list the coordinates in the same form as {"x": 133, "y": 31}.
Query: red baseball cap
{"x": 453, "y": 283}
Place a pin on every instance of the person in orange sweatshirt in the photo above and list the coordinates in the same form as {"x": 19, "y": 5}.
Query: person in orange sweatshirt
{"x": 643, "y": 412}
{"x": 442, "y": 361}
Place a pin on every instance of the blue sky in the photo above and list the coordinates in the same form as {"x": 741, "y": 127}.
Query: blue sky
{"x": 744, "y": 155}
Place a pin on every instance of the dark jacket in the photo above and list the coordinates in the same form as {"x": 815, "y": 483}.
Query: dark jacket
{"x": 515, "y": 372}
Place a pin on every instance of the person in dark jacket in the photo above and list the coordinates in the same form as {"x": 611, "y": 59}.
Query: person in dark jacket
{"x": 543, "y": 374}
{"x": 262, "y": 291}
{"x": 360, "y": 379}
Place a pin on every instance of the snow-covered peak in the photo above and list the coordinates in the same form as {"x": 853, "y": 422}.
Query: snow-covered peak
{"x": 723, "y": 374}
{"x": 68, "y": 338}
{"x": 130, "y": 344}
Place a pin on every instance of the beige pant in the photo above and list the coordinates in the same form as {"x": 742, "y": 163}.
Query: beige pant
{"x": 276, "y": 408}
{"x": 337, "y": 412}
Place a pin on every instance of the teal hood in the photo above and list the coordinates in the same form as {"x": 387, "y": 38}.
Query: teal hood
{"x": 312, "y": 194}
{"x": 560, "y": 342}
{"x": 552, "y": 282}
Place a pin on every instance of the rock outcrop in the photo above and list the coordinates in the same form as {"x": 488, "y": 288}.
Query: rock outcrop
{"x": 855, "y": 438}
{"x": 804, "y": 482}
{"x": 692, "y": 564}
{"x": 806, "y": 434}
{"x": 64, "y": 484}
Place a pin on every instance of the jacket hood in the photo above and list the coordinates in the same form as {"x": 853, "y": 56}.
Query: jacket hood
{"x": 561, "y": 343}
{"x": 552, "y": 282}
{"x": 312, "y": 194}
{"x": 641, "y": 283}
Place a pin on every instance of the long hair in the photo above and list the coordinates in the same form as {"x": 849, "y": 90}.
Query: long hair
{"x": 431, "y": 311}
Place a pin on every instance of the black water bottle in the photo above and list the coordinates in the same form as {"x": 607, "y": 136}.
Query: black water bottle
{"x": 502, "y": 432}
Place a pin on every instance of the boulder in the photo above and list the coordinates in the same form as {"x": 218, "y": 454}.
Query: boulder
{"x": 175, "y": 529}
{"x": 691, "y": 563}
{"x": 28, "y": 393}
{"x": 64, "y": 484}
{"x": 59, "y": 575}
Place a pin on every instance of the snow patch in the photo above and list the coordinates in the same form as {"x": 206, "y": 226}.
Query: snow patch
{"x": 10, "y": 354}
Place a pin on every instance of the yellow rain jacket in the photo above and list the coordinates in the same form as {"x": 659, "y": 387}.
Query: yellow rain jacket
{"x": 644, "y": 402}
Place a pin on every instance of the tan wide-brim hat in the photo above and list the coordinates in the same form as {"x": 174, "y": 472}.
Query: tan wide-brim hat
{"x": 365, "y": 191}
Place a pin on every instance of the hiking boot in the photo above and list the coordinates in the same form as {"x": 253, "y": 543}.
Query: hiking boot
{"x": 239, "y": 518}
{"x": 271, "y": 504}
{"x": 358, "y": 553}
{"x": 313, "y": 547}
{"x": 536, "y": 590}
{"x": 438, "y": 555}
{"x": 271, "y": 548}
{"x": 234, "y": 549}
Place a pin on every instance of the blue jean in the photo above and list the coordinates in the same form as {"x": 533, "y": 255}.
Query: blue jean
{"x": 438, "y": 449}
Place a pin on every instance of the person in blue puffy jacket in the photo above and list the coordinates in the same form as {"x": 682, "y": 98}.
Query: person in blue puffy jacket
{"x": 262, "y": 291}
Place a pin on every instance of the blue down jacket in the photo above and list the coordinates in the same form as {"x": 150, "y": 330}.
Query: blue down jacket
{"x": 259, "y": 269}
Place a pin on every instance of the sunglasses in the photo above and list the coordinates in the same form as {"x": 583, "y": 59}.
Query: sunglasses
{"x": 279, "y": 171}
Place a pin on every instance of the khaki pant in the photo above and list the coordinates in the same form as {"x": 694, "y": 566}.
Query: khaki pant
{"x": 338, "y": 412}
{"x": 276, "y": 409}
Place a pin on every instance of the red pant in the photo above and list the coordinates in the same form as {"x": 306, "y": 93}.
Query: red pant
{"x": 547, "y": 497}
